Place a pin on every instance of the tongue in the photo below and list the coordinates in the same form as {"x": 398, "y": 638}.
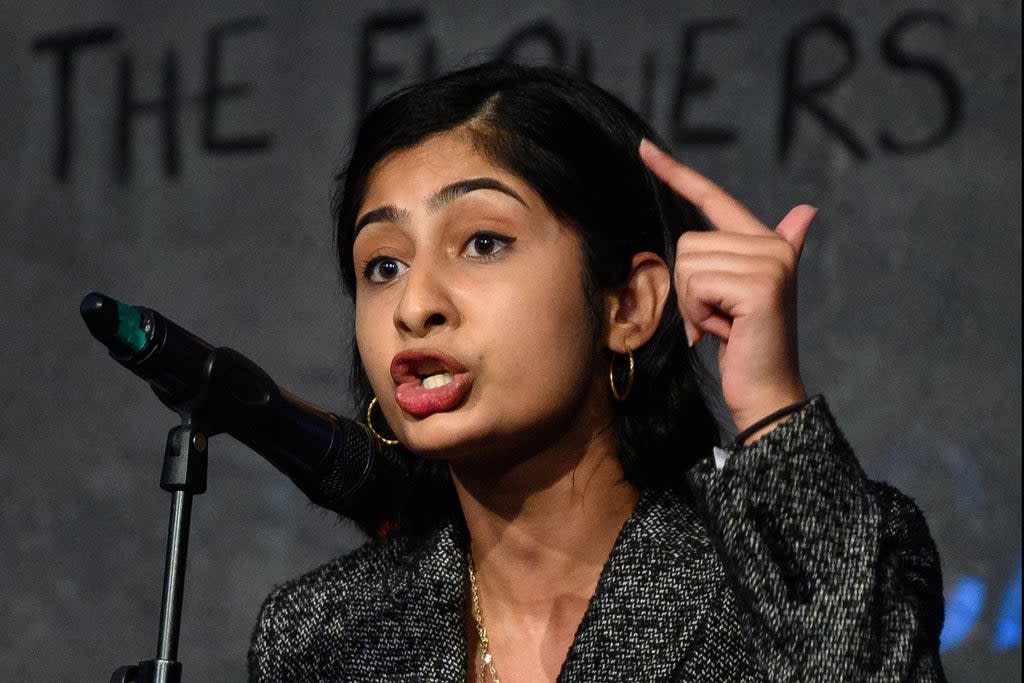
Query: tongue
{"x": 420, "y": 401}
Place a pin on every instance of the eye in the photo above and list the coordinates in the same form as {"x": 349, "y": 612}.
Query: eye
{"x": 383, "y": 269}
{"x": 487, "y": 244}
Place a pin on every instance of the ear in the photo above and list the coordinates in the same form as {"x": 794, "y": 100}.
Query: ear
{"x": 634, "y": 310}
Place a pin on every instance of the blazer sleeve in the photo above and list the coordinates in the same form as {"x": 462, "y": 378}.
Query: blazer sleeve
{"x": 836, "y": 576}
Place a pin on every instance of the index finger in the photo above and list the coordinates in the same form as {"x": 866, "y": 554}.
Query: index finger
{"x": 723, "y": 210}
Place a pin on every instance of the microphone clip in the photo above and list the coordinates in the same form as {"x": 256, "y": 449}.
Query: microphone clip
{"x": 231, "y": 389}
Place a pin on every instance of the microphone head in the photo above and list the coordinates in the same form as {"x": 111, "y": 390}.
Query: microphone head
{"x": 100, "y": 315}
{"x": 116, "y": 324}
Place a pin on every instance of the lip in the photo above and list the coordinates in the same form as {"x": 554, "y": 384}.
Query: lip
{"x": 410, "y": 367}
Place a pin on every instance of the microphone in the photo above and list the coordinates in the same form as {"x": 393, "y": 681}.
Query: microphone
{"x": 335, "y": 461}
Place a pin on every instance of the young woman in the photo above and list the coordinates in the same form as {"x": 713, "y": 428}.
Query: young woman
{"x": 530, "y": 273}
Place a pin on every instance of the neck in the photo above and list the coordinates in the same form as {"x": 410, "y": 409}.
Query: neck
{"x": 542, "y": 523}
{"x": 545, "y": 525}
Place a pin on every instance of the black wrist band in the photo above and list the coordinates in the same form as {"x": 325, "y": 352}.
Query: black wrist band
{"x": 782, "y": 412}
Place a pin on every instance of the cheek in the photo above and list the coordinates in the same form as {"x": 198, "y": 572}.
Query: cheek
{"x": 371, "y": 339}
{"x": 544, "y": 336}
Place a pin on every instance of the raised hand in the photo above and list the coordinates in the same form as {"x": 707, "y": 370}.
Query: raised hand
{"x": 739, "y": 284}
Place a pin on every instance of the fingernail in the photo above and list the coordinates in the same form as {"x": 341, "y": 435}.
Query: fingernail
{"x": 651, "y": 147}
{"x": 689, "y": 334}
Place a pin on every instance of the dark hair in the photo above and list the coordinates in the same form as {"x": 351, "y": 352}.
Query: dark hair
{"x": 576, "y": 145}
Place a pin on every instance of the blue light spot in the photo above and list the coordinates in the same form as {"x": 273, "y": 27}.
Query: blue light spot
{"x": 963, "y": 607}
{"x": 1007, "y": 630}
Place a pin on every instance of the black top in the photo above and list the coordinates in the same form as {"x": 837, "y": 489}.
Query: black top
{"x": 787, "y": 564}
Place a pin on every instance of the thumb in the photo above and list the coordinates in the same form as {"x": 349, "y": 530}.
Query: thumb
{"x": 793, "y": 228}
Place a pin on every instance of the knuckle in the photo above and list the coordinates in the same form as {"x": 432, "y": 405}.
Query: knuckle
{"x": 691, "y": 285}
{"x": 780, "y": 271}
{"x": 769, "y": 285}
{"x": 682, "y": 283}
{"x": 787, "y": 254}
{"x": 687, "y": 241}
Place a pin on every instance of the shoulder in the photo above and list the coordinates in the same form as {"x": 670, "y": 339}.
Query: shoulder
{"x": 303, "y": 621}
{"x": 343, "y": 583}
{"x": 667, "y": 518}
{"x": 373, "y": 568}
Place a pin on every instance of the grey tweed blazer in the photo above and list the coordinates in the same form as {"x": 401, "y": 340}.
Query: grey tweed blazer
{"x": 787, "y": 564}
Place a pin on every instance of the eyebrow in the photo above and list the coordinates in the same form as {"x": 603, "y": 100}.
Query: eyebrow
{"x": 384, "y": 214}
{"x": 446, "y": 195}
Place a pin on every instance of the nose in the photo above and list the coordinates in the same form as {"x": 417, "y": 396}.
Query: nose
{"x": 426, "y": 304}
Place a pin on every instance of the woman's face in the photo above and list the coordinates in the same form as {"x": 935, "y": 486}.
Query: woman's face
{"x": 471, "y": 318}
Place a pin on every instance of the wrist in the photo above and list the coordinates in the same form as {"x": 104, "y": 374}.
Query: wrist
{"x": 757, "y": 434}
{"x": 772, "y": 416}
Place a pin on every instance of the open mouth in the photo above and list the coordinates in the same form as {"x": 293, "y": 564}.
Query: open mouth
{"x": 429, "y": 382}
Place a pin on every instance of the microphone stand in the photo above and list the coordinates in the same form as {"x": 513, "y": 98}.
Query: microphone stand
{"x": 215, "y": 390}
{"x": 184, "y": 476}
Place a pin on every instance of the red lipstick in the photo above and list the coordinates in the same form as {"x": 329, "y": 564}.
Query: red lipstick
{"x": 448, "y": 382}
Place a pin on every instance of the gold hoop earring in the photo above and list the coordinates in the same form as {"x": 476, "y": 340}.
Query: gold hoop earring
{"x": 621, "y": 396}
{"x": 369, "y": 423}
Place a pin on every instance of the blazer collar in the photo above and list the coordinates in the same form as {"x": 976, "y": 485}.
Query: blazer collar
{"x": 653, "y": 598}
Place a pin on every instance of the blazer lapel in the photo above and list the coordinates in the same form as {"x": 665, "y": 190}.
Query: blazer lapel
{"x": 418, "y": 632}
{"x": 652, "y": 599}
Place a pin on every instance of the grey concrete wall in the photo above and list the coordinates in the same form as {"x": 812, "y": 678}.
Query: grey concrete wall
{"x": 218, "y": 216}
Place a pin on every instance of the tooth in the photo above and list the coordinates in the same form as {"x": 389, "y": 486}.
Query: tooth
{"x": 435, "y": 381}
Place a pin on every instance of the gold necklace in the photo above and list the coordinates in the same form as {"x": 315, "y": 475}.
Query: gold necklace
{"x": 487, "y": 671}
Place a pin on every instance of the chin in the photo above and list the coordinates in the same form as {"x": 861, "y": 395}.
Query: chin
{"x": 440, "y": 437}
{"x": 452, "y": 450}
{"x": 464, "y": 441}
